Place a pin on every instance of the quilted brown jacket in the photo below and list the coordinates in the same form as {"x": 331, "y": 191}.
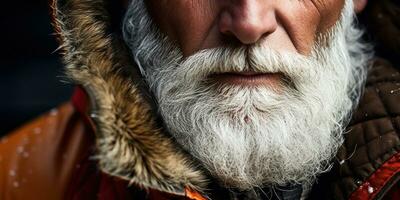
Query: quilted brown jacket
{"x": 106, "y": 143}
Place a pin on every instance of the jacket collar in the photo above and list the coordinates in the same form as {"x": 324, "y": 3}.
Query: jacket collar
{"x": 130, "y": 143}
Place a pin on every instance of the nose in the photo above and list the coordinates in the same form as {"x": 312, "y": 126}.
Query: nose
{"x": 248, "y": 20}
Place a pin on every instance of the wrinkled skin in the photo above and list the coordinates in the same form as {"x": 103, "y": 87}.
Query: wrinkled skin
{"x": 285, "y": 25}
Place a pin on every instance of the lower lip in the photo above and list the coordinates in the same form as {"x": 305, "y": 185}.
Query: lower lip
{"x": 248, "y": 79}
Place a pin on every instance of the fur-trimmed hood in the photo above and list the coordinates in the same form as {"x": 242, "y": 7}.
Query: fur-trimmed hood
{"x": 133, "y": 145}
{"x": 130, "y": 142}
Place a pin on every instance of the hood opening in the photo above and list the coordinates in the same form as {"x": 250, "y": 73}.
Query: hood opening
{"x": 130, "y": 142}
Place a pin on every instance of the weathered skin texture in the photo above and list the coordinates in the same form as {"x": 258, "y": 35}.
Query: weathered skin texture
{"x": 281, "y": 24}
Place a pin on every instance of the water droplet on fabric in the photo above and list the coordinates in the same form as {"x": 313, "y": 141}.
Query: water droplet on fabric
{"x": 37, "y": 131}
{"x": 16, "y": 184}
{"x": 20, "y": 149}
{"x": 12, "y": 173}
{"x": 54, "y": 112}
{"x": 25, "y": 154}
{"x": 370, "y": 189}
{"x": 25, "y": 140}
{"x": 4, "y": 140}
{"x": 396, "y": 90}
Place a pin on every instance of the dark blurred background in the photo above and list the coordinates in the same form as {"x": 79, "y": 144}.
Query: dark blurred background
{"x": 31, "y": 74}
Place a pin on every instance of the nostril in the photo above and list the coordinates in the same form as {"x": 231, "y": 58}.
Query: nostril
{"x": 225, "y": 23}
{"x": 247, "y": 22}
{"x": 230, "y": 39}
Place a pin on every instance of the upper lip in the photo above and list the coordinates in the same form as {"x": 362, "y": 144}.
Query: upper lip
{"x": 244, "y": 73}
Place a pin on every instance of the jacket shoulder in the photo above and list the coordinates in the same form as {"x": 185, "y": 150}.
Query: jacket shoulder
{"x": 377, "y": 134}
{"x": 367, "y": 166}
{"x": 38, "y": 158}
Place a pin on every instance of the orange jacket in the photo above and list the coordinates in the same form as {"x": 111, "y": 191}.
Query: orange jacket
{"x": 51, "y": 158}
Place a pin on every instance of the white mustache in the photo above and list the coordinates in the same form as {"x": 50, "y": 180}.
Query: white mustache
{"x": 256, "y": 58}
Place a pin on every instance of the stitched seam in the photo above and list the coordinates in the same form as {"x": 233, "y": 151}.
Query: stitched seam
{"x": 361, "y": 146}
{"x": 370, "y": 160}
{"x": 372, "y": 84}
{"x": 381, "y": 155}
{"x": 369, "y": 120}
{"x": 396, "y": 128}
{"x": 385, "y": 108}
{"x": 380, "y": 135}
{"x": 354, "y": 176}
{"x": 387, "y": 111}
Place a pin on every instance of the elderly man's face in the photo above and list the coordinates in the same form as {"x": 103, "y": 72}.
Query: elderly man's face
{"x": 257, "y": 90}
{"x": 287, "y": 25}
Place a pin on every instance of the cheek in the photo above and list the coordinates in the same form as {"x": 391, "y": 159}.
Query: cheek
{"x": 188, "y": 23}
{"x": 192, "y": 23}
{"x": 330, "y": 13}
{"x": 304, "y": 20}
{"x": 300, "y": 19}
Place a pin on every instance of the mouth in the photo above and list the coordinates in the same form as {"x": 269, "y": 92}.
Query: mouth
{"x": 248, "y": 79}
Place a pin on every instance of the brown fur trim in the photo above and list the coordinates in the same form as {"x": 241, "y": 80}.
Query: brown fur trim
{"x": 130, "y": 144}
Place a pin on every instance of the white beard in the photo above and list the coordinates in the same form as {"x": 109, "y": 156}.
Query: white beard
{"x": 254, "y": 136}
